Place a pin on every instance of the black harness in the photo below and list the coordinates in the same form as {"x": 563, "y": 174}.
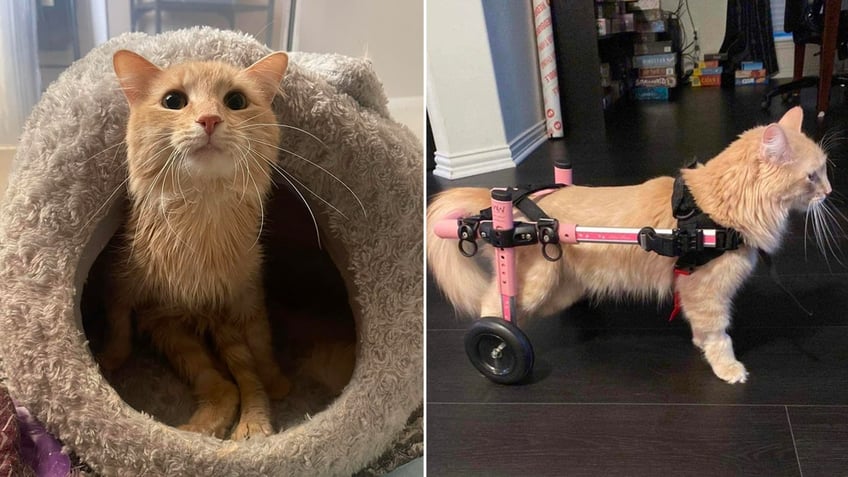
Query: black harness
{"x": 687, "y": 240}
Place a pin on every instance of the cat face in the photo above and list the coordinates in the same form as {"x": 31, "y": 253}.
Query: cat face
{"x": 798, "y": 161}
{"x": 197, "y": 122}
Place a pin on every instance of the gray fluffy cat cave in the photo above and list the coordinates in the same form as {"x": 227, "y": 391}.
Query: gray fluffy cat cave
{"x": 59, "y": 212}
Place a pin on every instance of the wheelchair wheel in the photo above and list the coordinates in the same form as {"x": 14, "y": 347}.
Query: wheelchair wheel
{"x": 499, "y": 350}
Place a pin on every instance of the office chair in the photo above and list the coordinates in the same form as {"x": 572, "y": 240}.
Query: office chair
{"x": 805, "y": 20}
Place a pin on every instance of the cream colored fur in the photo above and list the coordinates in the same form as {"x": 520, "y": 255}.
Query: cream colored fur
{"x": 751, "y": 186}
{"x": 188, "y": 261}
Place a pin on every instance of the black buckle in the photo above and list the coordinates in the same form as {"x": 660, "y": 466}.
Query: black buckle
{"x": 728, "y": 239}
{"x": 651, "y": 242}
{"x": 688, "y": 240}
{"x": 681, "y": 242}
{"x": 520, "y": 234}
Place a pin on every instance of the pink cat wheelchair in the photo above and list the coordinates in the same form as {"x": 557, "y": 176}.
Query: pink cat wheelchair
{"x": 496, "y": 346}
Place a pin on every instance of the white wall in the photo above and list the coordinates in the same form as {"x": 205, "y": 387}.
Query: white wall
{"x": 388, "y": 32}
{"x": 512, "y": 46}
{"x": 710, "y": 18}
{"x": 483, "y": 86}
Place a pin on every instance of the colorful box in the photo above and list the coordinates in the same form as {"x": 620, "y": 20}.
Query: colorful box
{"x": 751, "y": 73}
{"x": 751, "y": 65}
{"x": 665, "y": 60}
{"x": 656, "y": 72}
{"x": 751, "y": 81}
{"x": 706, "y": 80}
{"x": 707, "y": 71}
{"x": 668, "y": 81}
{"x": 651, "y": 93}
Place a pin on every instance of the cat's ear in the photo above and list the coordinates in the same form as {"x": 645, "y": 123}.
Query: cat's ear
{"x": 134, "y": 73}
{"x": 269, "y": 72}
{"x": 792, "y": 119}
{"x": 775, "y": 145}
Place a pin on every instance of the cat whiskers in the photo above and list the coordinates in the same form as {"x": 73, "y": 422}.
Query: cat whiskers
{"x": 824, "y": 219}
{"x": 288, "y": 126}
{"x": 322, "y": 169}
{"x": 256, "y": 157}
{"x": 114, "y": 191}
{"x": 242, "y": 164}
{"x": 173, "y": 158}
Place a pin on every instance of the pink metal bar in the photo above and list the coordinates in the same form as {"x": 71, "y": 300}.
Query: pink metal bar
{"x": 502, "y": 219}
{"x": 562, "y": 171}
{"x": 572, "y": 234}
{"x": 562, "y": 176}
{"x": 447, "y": 226}
{"x": 568, "y": 233}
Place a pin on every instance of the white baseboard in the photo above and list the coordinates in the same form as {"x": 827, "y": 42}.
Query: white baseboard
{"x": 528, "y": 141}
{"x": 457, "y": 166}
{"x": 470, "y": 163}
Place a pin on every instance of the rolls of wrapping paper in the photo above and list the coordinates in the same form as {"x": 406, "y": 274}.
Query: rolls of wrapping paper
{"x": 547, "y": 66}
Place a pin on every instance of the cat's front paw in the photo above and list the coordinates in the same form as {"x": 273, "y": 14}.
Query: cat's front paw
{"x": 252, "y": 427}
{"x": 733, "y": 373}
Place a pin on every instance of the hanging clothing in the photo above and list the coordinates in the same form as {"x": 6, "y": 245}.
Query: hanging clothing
{"x": 748, "y": 36}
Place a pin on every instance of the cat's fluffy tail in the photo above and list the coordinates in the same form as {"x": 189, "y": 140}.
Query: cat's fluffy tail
{"x": 460, "y": 278}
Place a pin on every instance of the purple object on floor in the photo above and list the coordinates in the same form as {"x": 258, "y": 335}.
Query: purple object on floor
{"x": 40, "y": 450}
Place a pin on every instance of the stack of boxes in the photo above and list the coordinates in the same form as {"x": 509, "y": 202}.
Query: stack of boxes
{"x": 654, "y": 60}
{"x": 708, "y": 72}
{"x": 643, "y": 64}
{"x": 751, "y": 72}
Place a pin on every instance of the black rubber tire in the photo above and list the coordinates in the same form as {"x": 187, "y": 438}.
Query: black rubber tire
{"x": 513, "y": 361}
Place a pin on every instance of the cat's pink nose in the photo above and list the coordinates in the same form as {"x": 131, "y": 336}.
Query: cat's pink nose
{"x": 209, "y": 121}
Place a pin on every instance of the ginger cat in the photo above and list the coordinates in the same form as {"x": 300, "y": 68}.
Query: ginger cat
{"x": 752, "y": 186}
{"x": 201, "y": 142}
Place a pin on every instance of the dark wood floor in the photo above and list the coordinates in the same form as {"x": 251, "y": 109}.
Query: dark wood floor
{"x": 616, "y": 389}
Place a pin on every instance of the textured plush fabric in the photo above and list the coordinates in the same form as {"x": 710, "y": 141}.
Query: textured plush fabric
{"x": 67, "y": 167}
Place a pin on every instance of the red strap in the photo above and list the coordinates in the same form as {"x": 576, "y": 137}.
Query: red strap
{"x": 676, "y": 310}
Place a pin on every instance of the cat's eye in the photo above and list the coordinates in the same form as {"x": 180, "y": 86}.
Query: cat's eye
{"x": 175, "y": 100}
{"x": 812, "y": 177}
{"x": 235, "y": 100}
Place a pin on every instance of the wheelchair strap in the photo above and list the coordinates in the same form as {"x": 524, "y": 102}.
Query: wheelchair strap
{"x": 521, "y": 201}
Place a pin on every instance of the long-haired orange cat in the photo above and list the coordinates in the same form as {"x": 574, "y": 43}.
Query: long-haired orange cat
{"x": 751, "y": 187}
{"x": 201, "y": 142}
